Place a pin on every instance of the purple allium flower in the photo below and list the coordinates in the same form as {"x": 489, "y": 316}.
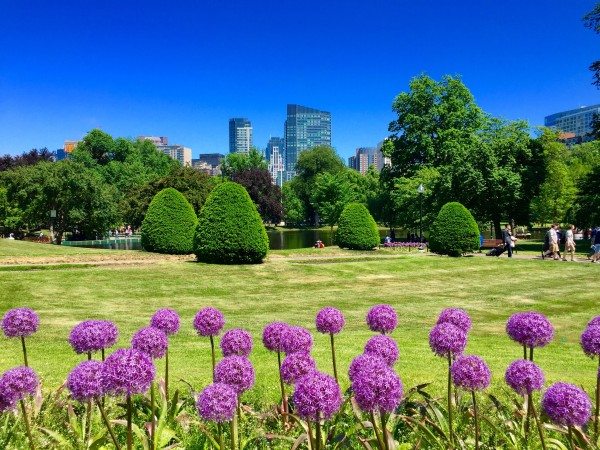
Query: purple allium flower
{"x": 379, "y": 391}
{"x": 447, "y": 339}
{"x": 151, "y": 341}
{"x": 93, "y": 335}
{"x": 127, "y": 371}
{"x": 384, "y": 347}
{"x": 524, "y": 377}
{"x": 272, "y": 336}
{"x": 237, "y": 372}
{"x": 209, "y": 321}
{"x": 471, "y": 372}
{"x": 236, "y": 342}
{"x": 17, "y": 383}
{"x": 594, "y": 321}
{"x": 330, "y": 320}
{"x": 85, "y": 381}
{"x": 296, "y": 365}
{"x": 166, "y": 320}
{"x": 531, "y": 329}
{"x": 7, "y": 401}
{"x": 457, "y": 317}
{"x": 382, "y": 318}
{"x": 217, "y": 403}
{"x": 317, "y": 396}
{"x": 20, "y": 322}
{"x": 590, "y": 340}
{"x": 366, "y": 363}
{"x": 296, "y": 339}
{"x": 566, "y": 404}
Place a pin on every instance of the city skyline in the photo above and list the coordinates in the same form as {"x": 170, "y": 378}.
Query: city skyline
{"x": 120, "y": 73}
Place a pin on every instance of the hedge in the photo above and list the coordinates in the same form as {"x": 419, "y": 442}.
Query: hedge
{"x": 356, "y": 228}
{"x": 230, "y": 230}
{"x": 169, "y": 224}
{"x": 454, "y": 232}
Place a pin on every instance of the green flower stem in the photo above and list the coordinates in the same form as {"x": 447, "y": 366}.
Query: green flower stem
{"x": 384, "y": 432}
{"x": 167, "y": 375}
{"x": 571, "y": 443}
{"x": 450, "y": 401}
{"x": 335, "y": 374}
{"x": 220, "y": 432}
{"x": 318, "y": 432}
{"x": 476, "y": 420}
{"x": 27, "y": 427}
{"x": 537, "y": 422}
{"x": 234, "y": 432}
{"x": 152, "y": 415}
{"x": 311, "y": 439}
{"x": 529, "y": 400}
{"x": 212, "y": 351}
{"x": 103, "y": 355}
{"x": 524, "y": 352}
{"x": 89, "y": 355}
{"x": 24, "y": 351}
{"x": 99, "y": 402}
{"x": 284, "y": 404}
{"x": 597, "y": 412}
{"x": 88, "y": 419}
{"x": 531, "y": 354}
{"x": 380, "y": 443}
{"x": 129, "y": 428}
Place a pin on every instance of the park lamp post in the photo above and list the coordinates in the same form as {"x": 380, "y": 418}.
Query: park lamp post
{"x": 421, "y": 190}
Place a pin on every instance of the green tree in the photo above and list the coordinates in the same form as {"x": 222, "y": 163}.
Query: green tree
{"x": 587, "y": 213}
{"x": 236, "y": 162}
{"x": 293, "y": 208}
{"x": 357, "y": 230}
{"x": 454, "y": 232}
{"x": 99, "y": 145}
{"x": 265, "y": 195}
{"x": 592, "y": 21}
{"x": 556, "y": 196}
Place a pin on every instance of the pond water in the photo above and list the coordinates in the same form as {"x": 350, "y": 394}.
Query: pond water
{"x": 278, "y": 240}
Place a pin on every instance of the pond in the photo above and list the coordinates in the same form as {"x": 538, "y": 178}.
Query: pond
{"x": 278, "y": 240}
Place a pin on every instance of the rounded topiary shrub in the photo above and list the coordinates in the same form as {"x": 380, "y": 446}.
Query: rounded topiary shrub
{"x": 169, "y": 224}
{"x": 230, "y": 230}
{"x": 356, "y": 228}
{"x": 454, "y": 232}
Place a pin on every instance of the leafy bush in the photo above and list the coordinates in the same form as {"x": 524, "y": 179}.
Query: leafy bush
{"x": 230, "y": 230}
{"x": 454, "y": 231}
{"x": 169, "y": 224}
{"x": 357, "y": 229}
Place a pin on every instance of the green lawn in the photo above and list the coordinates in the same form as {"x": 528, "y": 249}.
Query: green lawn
{"x": 292, "y": 286}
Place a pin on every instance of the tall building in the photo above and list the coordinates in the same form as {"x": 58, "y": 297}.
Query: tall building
{"x": 575, "y": 124}
{"x": 274, "y": 154}
{"x": 178, "y": 152}
{"x": 156, "y": 140}
{"x": 212, "y": 159}
{"x": 305, "y": 128}
{"x": 240, "y": 135}
{"x": 366, "y": 157}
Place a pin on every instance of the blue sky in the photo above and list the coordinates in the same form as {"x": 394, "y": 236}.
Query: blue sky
{"x": 182, "y": 70}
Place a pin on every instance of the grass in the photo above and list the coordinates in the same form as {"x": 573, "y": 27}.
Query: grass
{"x": 292, "y": 286}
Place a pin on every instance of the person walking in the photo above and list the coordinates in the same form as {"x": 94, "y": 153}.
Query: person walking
{"x": 507, "y": 240}
{"x": 570, "y": 242}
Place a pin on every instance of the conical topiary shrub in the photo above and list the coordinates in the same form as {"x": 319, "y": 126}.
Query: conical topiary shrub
{"x": 454, "y": 232}
{"x": 230, "y": 230}
{"x": 356, "y": 228}
{"x": 169, "y": 224}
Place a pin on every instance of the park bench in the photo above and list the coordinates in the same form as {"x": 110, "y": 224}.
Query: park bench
{"x": 491, "y": 243}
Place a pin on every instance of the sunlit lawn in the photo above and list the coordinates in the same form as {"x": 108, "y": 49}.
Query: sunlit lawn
{"x": 292, "y": 286}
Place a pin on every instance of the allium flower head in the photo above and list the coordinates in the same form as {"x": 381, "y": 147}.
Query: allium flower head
{"x": 330, "y": 320}
{"x": 166, "y": 320}
{"x": 296, "y": 339}
{"x": 471, "y": 372}
{"x": 272, "y": 336}
{"x": 296, "y": 365}
{"x": 7, "y": 401}
{"x": 236, "y": 342}
{"x": 368, "y": 363}
{"x": 590, "y": 340}
{"x": 16, "y": 384}
{"x": 217, "y": 403}
{"x": 384, "y": 347}
{"x": 531, "y": 329}
{"x": 127, "y": 371}
{"x": 566, "y": 404}
{"x": 85, "y": 381}
{"x": 382, "y": 319}
{"x": 447, "y": 339}
{"x": 524, "y": 377}
{"x": 235, "y": 371}
{"x": 594, "y": 321}
{"x": 377, "y": 391}
{"x": 457, "y": 317}
{"x": 209, "y": 321}
{"x": 317, "y": 395}
{"x": 93, "y": 335}
{"x": 20, "y": 322}
{"x": 150, "y": 341}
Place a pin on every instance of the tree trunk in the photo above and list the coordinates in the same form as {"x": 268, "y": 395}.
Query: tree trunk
{"x": 497, "y": 229}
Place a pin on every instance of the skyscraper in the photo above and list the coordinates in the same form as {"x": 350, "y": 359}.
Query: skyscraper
{"x": 575, "y": 124}
{"x": 240, "y": 135}
{"x": 366, "y": 157}
{"x": 274, "y": 155}
{"x": 305, "y": 128}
